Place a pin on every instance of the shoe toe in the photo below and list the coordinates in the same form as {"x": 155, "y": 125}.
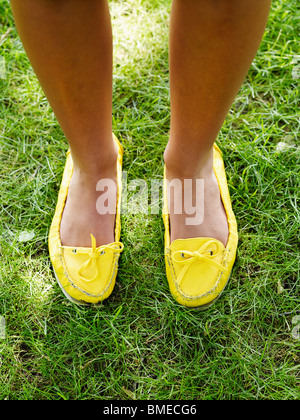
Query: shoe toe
{"x": 88, "y": 278}
{"x": 197, "y": 270}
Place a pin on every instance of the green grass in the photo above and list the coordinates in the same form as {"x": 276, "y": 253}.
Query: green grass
{"x": 140, "y": 344}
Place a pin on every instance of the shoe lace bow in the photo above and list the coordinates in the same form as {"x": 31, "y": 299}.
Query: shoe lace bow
{"x": 94, "y": 255}
{"x": 204, "y": 253}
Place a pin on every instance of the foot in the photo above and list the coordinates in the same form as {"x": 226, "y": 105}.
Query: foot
{"x": 81, "y": 217}
{"x": 211, "y": 211}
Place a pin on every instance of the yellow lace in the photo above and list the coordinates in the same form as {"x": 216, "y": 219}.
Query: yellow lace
{"x": 116, "y": 247}
{"x": 204, "y": 253}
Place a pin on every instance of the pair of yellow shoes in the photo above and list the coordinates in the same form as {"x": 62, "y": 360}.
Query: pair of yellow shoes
{"x": 197, "y": 269}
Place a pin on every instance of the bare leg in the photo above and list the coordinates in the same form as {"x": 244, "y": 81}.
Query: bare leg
{"x": 212, "y": 45}
{"x": 69, "y": 44}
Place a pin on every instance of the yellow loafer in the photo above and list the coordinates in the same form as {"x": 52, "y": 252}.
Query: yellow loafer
{"x": 198, "y": 269}
{"x": 85, "y": 275}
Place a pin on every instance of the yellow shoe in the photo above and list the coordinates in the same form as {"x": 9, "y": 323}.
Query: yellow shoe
{"x": 198, "y": 269}
{"x": 85, "y": 275}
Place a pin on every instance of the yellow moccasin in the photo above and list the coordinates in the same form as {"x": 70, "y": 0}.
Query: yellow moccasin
{"x": 198, "y": 269}
{"x": 85, "y": 275}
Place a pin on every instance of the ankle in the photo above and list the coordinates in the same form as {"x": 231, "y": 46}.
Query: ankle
{"x": 98, "y": 166}
{"x": 188, "y": 165}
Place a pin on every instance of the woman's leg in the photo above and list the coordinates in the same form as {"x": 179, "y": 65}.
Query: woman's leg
{"x": 69, "y": 44}
{"x": 212, "y": 45}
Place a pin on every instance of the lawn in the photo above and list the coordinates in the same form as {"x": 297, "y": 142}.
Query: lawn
{"x": 140, "y": 344}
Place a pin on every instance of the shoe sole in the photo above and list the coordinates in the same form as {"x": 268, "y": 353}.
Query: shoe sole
{"x": 69, "y": 297}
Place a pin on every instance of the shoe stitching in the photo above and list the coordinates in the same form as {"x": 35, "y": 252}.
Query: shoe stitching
{"x": 179, "y": 290}
{"x": 114, "y": 266}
